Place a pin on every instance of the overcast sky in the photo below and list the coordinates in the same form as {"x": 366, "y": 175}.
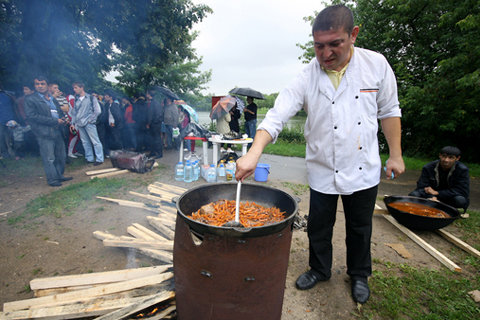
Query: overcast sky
{"x": 252, "y": 43}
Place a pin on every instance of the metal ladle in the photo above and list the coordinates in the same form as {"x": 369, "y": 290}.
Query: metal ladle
{"x": 236, "y": 223}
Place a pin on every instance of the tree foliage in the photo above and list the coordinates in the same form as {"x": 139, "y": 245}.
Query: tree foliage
{"x": 434, "y": 49}
{"x": 147, "y": 41}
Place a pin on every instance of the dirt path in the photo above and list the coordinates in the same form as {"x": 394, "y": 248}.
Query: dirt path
{"x": 64, "y": 246}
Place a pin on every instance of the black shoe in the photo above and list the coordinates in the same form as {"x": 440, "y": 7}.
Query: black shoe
{"x": 66, "y": 178}
{"x": 360, "y": 290}
{"x": 309, "y": 279}
{"x": 55, "y": 184}
{"x": 98, "y": 163}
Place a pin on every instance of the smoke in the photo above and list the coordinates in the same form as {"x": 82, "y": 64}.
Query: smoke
{"x": 131, "y": 259}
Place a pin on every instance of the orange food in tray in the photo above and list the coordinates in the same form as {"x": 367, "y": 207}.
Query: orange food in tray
{"x": 419, "y": 209}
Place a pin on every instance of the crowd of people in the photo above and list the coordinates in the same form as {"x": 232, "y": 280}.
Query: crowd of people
{"x": 60, "y": 127}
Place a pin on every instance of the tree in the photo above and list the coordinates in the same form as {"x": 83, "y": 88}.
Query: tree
{"x": 434, "y": 50}
{"x": 84, "y": 39}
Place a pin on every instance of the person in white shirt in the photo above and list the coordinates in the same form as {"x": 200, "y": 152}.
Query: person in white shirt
{"x": 343, "y": 91}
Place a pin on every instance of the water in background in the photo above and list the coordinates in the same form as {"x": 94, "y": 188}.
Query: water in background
{"x": 204, "y": 119}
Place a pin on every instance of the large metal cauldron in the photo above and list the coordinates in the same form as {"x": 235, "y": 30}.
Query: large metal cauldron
{"x": 233, "y": 273}
{"x": 417, "y": 222}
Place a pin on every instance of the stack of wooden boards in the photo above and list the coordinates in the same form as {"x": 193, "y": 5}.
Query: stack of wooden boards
{"x": 115, "y": 294}
{"x": 156, "y": 243}
{"x": 110, "y": 295}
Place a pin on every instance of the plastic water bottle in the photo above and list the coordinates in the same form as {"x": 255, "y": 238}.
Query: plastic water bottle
{"x": 229, "y": 171}
{"x": 221, "y": 172}
{"x": 179, "y": 174}
{"x": 212, "y": 174}
{"x": 196, "y": 170}
{"x": 194, "y": 157}
{"x": 188, "y": 172}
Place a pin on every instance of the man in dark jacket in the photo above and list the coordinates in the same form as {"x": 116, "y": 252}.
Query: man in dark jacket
{"x": 140, "y": 116}
{"x": 154, "y": 123}
{"x": 446, "y": 180}
{"x": 115, "y": 121}
{"x": 47, "y": 121}
{"x": 7, "y": 113}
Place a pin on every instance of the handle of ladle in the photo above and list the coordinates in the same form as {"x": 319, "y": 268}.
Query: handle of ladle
{"x": 237, "y": 201}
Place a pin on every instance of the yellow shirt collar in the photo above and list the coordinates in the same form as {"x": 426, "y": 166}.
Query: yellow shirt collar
{"x": 337, "y": 76}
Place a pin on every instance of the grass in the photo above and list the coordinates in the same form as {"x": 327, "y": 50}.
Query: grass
{"x": 64, "y": 202}
{"x": 404, "y": 292}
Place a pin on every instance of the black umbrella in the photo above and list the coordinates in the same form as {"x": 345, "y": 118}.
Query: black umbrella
{"x": 166, "y": 92}
{"x": 247, "y": 92}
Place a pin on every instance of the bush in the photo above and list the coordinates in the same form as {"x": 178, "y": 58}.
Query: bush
{"x": 293, "y": 135}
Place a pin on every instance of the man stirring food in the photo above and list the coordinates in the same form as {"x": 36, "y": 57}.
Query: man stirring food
{"x": 343, "y": 91}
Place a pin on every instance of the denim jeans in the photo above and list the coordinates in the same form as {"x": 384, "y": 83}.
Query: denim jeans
{"x": 89, "y": 137}
{"x": 52, "y": 151}
{"x": 251, "y": 128}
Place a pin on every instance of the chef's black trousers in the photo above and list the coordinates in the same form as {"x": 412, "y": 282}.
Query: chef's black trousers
{"x": 358, "y": 208}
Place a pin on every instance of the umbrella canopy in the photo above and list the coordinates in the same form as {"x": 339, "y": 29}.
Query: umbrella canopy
{"x": 193, "y": 114}
{"x": 247, "y": 92}
{"x": 166, "y": 92}
{"x": 223, "y": 106}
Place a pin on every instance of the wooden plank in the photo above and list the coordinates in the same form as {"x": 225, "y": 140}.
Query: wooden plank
{"x": 167, "y": 232}
{"x": 173, "y": 188}
{"x": 458, "y": 242}
{"x": 127, "y": 203}
{"x": 165, "y": 195}
{"x": 49, "y": 292}
{"x": 145, "y": 196}
{"x": 95, "y": 307}
{"x": 82, "y": 295}
{"x": 422, "y": 243}
{"x": 169, "y": 190}
{"x": 168, "y": 211}
{"x": 162, "y": 245}
{"x": 161, "y": 255}
{"x": 100, "y": 235}
{"x": 143, "y": 291}
{"x": 168, "y": 222}
{"x": 109, "y": 174}
{"x": 139, "y": 306}
{"x": 139, "y": 234}
{"x": 164, "y": 313}
{"x": 100, "y": 171}
{"x": 96, "y": 278}
{"x": 149, "y": 232}
{"x": 70, "y": 311}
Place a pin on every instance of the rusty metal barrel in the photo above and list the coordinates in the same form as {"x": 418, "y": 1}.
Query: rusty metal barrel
{"x": 231, "y": 273}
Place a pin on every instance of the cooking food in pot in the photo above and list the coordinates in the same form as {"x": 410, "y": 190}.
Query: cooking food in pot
{"x": 251, "y": 214}
{"x": 419, "y": 209}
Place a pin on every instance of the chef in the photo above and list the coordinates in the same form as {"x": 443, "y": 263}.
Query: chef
{"x": 344, "y": 91}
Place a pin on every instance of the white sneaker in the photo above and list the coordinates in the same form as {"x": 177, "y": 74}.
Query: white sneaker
{"x": 229, "y": 150}
{"x": 222, "y": 150}
{"x": 71, "y": 155}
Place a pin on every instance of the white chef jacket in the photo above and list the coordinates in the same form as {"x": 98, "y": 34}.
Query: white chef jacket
{"x": 342, "y": 154}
